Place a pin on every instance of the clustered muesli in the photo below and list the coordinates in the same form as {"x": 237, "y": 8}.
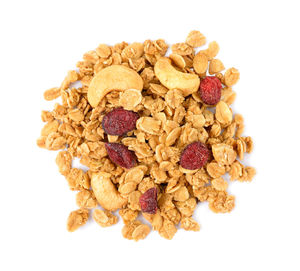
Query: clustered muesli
{"x": 156, "y": 132}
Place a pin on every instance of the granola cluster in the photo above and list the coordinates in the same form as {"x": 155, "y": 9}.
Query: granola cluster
{"x": 168, "y": 113}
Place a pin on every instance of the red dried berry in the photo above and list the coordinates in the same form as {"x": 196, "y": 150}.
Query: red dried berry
{"x": 194, "y": 156}
{"x": 119, "y": 121}
{"x": 210, "y": 90}
{"x": 120, "y": 155}
{"x": 148, "y": 201}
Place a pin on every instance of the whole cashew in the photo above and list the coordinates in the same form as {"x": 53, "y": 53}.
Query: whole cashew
{"x": 174, "y": 79}
{"x": 115, "y": 77}
{"x": 106, "y": 193}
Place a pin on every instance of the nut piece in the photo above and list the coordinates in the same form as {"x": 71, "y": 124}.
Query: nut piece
{"x": 104, "y": 218}
{"x": 115, "y": 77}
{"x": 171, "y": 78}
{"x": 77, "y": 219}
{"x": 106, "y": 193}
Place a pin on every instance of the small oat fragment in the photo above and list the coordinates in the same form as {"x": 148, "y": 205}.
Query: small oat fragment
{"x": 200, "y": 63}
{"x": 189, "y": 224}
{"x": 50, "y": 127}
{"x": 212, "y": 51}
{"x": 231, "y": 77}
{"x": 104, "y": 218}
{"x": 128, "y": 215}
{"x": 182, "y": 49}
{"x": 215, "y": 66}
{"x": 77, "y": 219}
{"x": 195, "y": 39}
{"x": 215, "y": 170}
{"x": 178, "y": 60}
{"x": 64, "y": 162}
{"x": 52, "y": 94}
{"x": 140, "y": 232}
{"x": 86, "y": 199}
{"x": 168, "y": 229}
{"x": 135, "y": 231}
{"x": 130, "y": 98}
{"x": 224, "y": 154}
{"x": 223, "y": 113}
{"x": 219, "y": 184}
{"x": 103, "y": 51}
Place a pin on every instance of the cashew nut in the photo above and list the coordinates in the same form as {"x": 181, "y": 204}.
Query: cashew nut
{"x": 115, "y": 77}
{"x": 106, "y": 193}
{"x": 174, "y": 79}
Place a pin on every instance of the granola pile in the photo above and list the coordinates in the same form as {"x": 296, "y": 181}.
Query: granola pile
{"x": 155, "y": 130}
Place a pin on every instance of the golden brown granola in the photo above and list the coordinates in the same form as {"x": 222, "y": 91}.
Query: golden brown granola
{"x": 163, "y": 91}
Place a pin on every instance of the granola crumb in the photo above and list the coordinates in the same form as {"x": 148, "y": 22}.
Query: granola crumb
{"x": 77, "y": 219}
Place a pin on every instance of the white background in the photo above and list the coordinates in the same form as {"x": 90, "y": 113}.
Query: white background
{"x": 42, "y": 40}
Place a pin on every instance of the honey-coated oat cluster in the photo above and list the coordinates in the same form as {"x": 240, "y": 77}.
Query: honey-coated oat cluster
{"x": 156, "y": 132}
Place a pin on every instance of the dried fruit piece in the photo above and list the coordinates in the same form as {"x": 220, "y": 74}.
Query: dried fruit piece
{"x": 210, "y": 90}
{"x": 119, "y": 154}
{"x": 119, "y": 121}
{"x": 148, "y": 201}
{"x": 194, "y": 156}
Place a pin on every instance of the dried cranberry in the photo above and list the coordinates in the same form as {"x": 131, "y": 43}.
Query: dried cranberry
{"x": 194, "y": 156}
{"x": 119, "y": 121}
{"x": 119, "y": 154}
{"x": 148, "y": 201}
{"x": 210, "y": 90}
